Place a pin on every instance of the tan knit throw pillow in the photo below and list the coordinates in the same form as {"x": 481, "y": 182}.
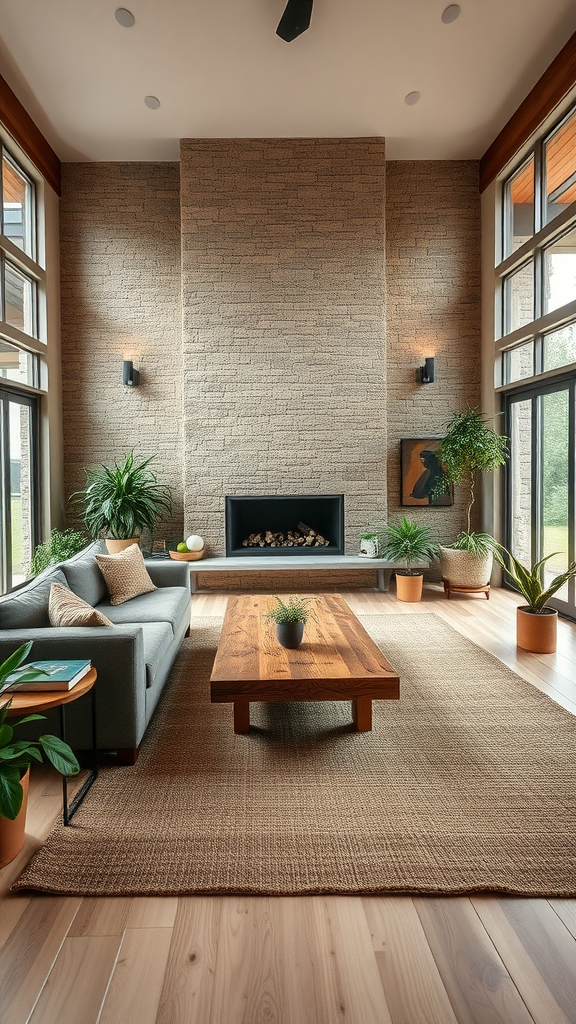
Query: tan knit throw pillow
{"x": 65, "y": 608}
{"x": 125, "y": 574}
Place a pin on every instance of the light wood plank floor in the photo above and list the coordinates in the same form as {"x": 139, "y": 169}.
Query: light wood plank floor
{"x": 307, "y": 960}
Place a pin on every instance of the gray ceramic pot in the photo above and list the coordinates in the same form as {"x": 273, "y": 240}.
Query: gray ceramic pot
{"x": 290, "y": 633}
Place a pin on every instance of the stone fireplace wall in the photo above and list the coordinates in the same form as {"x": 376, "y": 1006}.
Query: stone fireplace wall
{"x": 283, "y": 284}
{"x": 283, "y": 387}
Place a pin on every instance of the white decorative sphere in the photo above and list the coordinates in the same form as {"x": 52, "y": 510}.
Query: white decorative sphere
{"x": 194, "y": 543}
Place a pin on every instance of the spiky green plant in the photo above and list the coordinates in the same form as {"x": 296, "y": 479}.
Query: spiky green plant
{"x": 474, "y": 543}
{"x": 297, "y": 609}
{"x": 530, "y": 582}
{"x": 16, "y": 756}
{"x": 469, "y": 449}
{"x": 408, "y": 542}
{"x": 122, "y": 500}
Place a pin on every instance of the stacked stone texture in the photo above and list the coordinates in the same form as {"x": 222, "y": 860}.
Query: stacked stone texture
{"x": 120, "y": 279}
{"x": 432, "y": 308}
{"x": 283, "y": 325}
{"x": 280, "y": 355}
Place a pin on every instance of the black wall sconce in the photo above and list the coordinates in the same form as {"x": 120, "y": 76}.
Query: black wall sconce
{"x": 130, "y": 376}
{"x": 426, "y": 372}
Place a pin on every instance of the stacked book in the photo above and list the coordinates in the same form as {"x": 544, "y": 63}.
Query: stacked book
{"x": 48, "y": 675}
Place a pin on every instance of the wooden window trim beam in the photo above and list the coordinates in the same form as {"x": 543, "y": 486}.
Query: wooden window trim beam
{"x": 19, "y": 124}
{"x": 556, "y": 81}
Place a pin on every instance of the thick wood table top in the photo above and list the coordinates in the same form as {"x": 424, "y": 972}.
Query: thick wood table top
{"x": 37, "y": 701}
{"x": 336, "y": 661}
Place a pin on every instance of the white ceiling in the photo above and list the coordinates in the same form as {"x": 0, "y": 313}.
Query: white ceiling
{"x": 220, "y": 71}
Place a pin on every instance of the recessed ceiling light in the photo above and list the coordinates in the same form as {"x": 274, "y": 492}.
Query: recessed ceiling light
{"x": 124, "y": 17}
{"x": 152, "y": 101}
{"x": 412, "y": 98}
{"x": 450, "y": 13}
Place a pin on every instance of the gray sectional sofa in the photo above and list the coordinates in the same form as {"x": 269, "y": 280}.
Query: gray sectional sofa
{"x": 133, "y": 658}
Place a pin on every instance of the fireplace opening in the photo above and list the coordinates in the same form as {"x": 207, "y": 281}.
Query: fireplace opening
{"x": 300, "y": 524}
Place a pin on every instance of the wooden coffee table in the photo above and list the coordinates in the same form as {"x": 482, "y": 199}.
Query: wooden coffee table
{"x": 336, "y": 661}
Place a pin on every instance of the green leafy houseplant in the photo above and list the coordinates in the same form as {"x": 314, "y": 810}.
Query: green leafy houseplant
{"x": 62, "y": 544}
{"x": 474, "y": 543}
{"x": 297, "y": 609}
{"x": 530, "y": 582}
{"x": 409, "y": 542}
{"x": 16, "y": 756}
{"x": 120, "y": 501}
{"x": 469, "y": 449}
{"x": 290, "y": 619}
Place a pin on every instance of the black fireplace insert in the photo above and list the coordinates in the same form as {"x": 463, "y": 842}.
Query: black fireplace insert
{"x": 298, "y": 524}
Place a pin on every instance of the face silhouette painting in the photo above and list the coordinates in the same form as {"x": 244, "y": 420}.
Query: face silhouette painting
{"x": 431, "y": 474}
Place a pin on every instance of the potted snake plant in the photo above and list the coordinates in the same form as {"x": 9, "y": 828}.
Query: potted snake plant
{"x": 120, "y": 501}
{"x": 16, "y": 756}
{"x": 536, "y": 624}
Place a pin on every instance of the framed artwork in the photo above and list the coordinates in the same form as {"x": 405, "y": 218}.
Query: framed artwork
{"x": 421, "y": 470}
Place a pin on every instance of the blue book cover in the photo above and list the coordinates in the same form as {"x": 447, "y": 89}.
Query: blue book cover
{"x": 48, "y": 675}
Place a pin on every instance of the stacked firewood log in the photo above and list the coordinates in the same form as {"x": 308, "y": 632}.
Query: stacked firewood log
{"x": 302, "y": 537}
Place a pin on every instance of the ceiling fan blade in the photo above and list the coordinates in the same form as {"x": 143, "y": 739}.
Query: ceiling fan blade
{"x": 295, "y": 20}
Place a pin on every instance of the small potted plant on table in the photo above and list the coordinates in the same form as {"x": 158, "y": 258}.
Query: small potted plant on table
{"x": 469, "y": 449}
{"x": 536, "y": 624}
{"x": 409, "y": 542}
{"x": 16, "y": 756}
{"x": 120, "y": 501}
{"x": 290, "y": 619}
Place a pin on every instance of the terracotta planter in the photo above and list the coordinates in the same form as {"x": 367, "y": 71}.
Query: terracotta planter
{"x": 114, "y": 546}
{"x": 465, "y": 569}
{"x": 12, "y": 833}
{"x": 536, "y": 632}
{"x": 290, "y": 634}
{"x": 409, "y": 588}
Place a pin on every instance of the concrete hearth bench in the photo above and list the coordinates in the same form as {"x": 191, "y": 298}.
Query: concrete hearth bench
{"x": 299, "y": 563}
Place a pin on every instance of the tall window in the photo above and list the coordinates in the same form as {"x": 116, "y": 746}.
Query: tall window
{"x": 536, "y": 351}
{"x": 22, "y": 362}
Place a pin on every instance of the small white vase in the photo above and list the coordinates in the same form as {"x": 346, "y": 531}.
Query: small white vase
{"x": 369, "y": 547}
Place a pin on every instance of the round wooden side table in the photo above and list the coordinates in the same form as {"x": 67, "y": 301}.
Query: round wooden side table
{"x": 36, "y": 702}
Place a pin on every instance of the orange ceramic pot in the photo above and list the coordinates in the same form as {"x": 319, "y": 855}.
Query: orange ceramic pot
{"x": 409, "y": 588}
{"x": 536, "y": 632}
{"x": 12, "y": 833}
{"x": 114, "y": 546}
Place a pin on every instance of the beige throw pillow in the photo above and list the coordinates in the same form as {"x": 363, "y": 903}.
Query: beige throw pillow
{"x": 65, "y": 608}
{"x": 125, "y": 574}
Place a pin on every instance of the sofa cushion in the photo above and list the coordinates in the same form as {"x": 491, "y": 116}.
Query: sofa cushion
{"x": 168, "y": 604}
{"x": 67, "y": 609}
{"x": 85, "y": 579}
{"x": 28, "y": 608}
{"x": 125, "y": 574}
{"x": 157, "y": 638}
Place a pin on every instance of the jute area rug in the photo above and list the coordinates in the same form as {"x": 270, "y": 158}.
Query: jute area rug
{"x": 466, "y": 783}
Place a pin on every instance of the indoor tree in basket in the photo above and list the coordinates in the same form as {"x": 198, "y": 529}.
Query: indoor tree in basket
{"x": 16, "y": 756}
{"x": 409, "y": 542}
{"x": 469, "y": 449}
{"x": 120, "y": 501}
{"x": 290, "y": 619}
{"x": 536, "y": 625}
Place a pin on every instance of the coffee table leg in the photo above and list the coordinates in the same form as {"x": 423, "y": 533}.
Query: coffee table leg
{"x": 241, "y": 716}
{"x": 362, "y": 713}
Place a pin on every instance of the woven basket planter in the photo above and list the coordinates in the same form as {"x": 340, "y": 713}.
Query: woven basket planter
{"x": 465, "y": 569}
